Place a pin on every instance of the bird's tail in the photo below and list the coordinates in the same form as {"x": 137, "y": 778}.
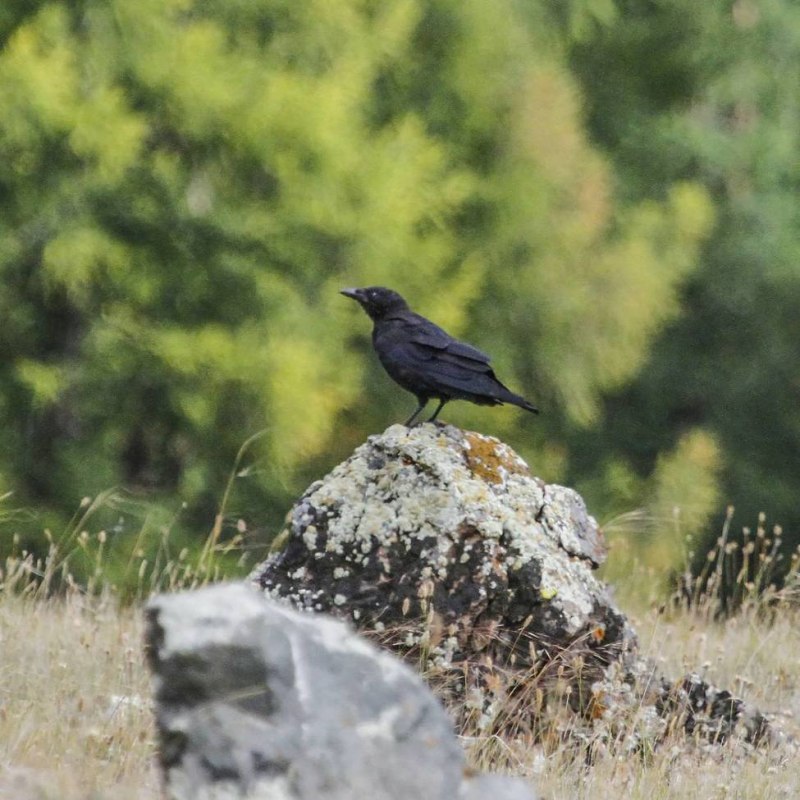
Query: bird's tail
{"x": 507, "y": 396}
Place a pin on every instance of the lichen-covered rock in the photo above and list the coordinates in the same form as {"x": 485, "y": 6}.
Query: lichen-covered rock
{"x": 434, "y": 522}
{"x": 444, "y": 539}
{"x": 254, "y": 700}
{"x": 439, "y": 543}
{"x": 651, "y": 708}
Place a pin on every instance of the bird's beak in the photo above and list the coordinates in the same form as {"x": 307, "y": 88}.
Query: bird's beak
{"x": 354, "y": 294}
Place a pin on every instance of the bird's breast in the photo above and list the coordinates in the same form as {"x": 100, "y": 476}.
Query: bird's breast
{"x": 403, "y": 366}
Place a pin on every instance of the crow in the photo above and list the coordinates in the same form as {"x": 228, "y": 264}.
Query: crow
{"x": 427, "y": 361}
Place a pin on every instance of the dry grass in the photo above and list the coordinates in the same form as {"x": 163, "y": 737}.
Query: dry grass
{"x": 753, "y": 652}
{"x": 759, "y": 662}
{"x": 75, "y": 723}
{"x": 75, "y": 718}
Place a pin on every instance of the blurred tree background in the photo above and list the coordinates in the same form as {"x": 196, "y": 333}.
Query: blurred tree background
{"x": 600, "y": 193}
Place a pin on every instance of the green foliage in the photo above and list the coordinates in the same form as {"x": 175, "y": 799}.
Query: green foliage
{"x": 183, "y": 194}
{"x": 687, "y": 472}
{"x": 716, "y": 101}
{"x": 185, "y": 185}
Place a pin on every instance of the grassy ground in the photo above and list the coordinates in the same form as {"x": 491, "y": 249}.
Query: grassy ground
{"x": 74, "y": 719}
{"x": 758, "y": 662}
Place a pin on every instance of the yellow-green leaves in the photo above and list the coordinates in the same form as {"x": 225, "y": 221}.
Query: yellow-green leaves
{"x": 44, "y": 381}
{"x": 82, "y": 256}
{"x": 38, "y": 80}
{"x": 686, "y": 488}
{"x": 600, "y": 277}
{"x": 185, "y": 186}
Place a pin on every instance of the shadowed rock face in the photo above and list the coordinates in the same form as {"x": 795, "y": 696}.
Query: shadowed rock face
{"x": 439, "y": 543}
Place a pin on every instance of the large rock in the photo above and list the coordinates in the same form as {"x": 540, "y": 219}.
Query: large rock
{"x": 255, "y": 700}
{"x": 441, "y": 544}
{"x": 442, "y": 539}
{"x": 434, "y": 522}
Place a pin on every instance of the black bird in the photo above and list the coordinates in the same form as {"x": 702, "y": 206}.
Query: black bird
{"x": 427, "y": 361}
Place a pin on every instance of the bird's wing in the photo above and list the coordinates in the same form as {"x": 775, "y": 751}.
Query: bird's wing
{"x": 428, "y": 362}
{"x": 435, "y": 371}
{"x": 430, "y": 335}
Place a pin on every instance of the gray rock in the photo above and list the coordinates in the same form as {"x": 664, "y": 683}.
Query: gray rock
{"x": 439, "y": 544}
{"x": 491, "y": 787}
{"x": 454, "y": 511}
{"x": 256, "y": 700}
{"x": 442, "y": 538}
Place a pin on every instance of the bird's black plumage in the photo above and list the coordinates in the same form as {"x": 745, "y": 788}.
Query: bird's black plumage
{"x": 427, "y": 361}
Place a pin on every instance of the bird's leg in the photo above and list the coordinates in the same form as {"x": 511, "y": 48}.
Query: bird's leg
{"x": 442, "y": 401}
{"x": 423, "y": 401}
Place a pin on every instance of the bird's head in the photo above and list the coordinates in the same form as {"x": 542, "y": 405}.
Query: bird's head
{"x": 377, "y": 301}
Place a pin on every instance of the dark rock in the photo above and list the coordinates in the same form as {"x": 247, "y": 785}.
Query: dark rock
{"x": 255, "y": 700}
{"x": 715, "y": 714}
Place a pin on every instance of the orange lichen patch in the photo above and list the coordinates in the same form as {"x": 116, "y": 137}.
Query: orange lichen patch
{"x": 491, "y": 460}
{"x": 598, "y": 633}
